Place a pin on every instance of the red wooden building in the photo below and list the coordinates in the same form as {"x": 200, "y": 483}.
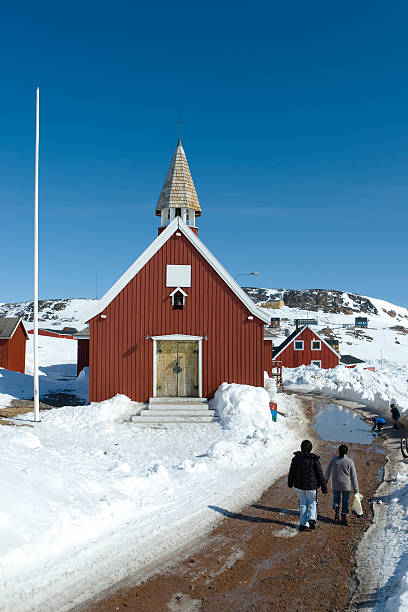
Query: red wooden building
{"x": 305, "y": 347}
{"x": 13, "y": 338}
{"x": 176, "y": 324}
{"x": 83, "y": 349}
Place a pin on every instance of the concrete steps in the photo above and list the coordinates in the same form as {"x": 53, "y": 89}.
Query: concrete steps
{"x": 174, "y": 412}
{"x": 167, "y": 411}
{"x": 169, "y": 403}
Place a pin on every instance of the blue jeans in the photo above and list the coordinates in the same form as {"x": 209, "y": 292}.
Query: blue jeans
{"x": 345, "y": 495}
{"x": 308, "y": 505}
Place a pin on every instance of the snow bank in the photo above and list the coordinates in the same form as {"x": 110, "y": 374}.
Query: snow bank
{"x": 390, "y": 548}
{"x": 88, "y": 498}
{"x": 375, "y": 389}
{"x": 244, "y": 409}
{"x": 249, "y": 431}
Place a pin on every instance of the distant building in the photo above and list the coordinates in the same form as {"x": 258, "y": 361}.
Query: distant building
{"x": 301, "y": 322}
{"x": 55, "y": 333}
{"x": 273, "y": 304}
{"x": 350, "y": 362}
{"x": 83, "y": 349}
{"x": 361, "y": 322}
{"x": 305, "y": 347}
{"x": 275, "y": 322}
{"x": 13, "y": 338}
{"x": 334, "y": 343}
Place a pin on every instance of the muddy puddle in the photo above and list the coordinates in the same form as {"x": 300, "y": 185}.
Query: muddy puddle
{"x": 337, "y": 423}
{"x": 340, "y": 424}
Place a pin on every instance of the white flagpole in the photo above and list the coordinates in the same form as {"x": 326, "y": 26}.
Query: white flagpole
{"x": 37, "y": 139}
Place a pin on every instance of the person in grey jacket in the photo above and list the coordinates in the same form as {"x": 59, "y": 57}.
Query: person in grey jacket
{"x": 344, "y": 477}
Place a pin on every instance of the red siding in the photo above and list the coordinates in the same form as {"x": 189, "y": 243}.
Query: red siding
{"x": 121, "y": 359}
{"x": 4, "y": 344}
{"x": 83, "y": 355}
{"x": 268, "y": 344}
{"x": 13, "y": 351}
{"x": 45, "y": 332}
{"x": 293, "y": 359}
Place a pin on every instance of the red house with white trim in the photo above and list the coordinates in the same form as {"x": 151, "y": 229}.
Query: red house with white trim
{"x": 175, "y": 324}
{"x": 305, "y": 347}
{"x": 13, "y": 338}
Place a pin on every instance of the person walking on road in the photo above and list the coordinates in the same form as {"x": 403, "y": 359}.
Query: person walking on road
{"x": 395, "y": 413}
{"x": 306, "y": 475}
{"x": 344, "y": 476}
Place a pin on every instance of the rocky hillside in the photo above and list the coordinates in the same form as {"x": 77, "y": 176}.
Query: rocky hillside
{"x": 52, "y": 312}
{"x": 313, "y": 300}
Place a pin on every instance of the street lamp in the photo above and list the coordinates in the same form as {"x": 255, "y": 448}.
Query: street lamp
{"x": 247, "y": 274}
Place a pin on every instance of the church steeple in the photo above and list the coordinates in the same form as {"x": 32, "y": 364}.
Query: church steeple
{"x": 178, "y": 196}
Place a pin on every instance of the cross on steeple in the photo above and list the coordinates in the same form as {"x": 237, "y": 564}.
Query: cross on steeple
{"x": 179, "y": 123}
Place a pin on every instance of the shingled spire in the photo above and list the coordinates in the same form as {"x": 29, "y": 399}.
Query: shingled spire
{"x": 178, "y": 196}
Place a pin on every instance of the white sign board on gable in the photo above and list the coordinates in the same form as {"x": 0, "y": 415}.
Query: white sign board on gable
{"x": 178, "y": 276}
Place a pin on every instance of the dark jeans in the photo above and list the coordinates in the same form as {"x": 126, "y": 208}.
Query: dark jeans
{"x": 345, "y": 496}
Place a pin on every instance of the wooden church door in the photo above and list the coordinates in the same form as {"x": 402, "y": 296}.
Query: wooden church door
{"x": 176, "y": 368}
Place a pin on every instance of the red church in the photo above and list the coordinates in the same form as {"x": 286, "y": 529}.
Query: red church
{"x": 305, "y": 347}
{"x": 175, "y": 324}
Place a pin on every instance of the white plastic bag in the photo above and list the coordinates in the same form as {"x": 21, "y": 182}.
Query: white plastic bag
{"x": 356, "y": 507}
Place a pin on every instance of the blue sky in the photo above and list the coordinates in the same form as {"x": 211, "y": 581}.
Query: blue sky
{"x": 295, "y": 129}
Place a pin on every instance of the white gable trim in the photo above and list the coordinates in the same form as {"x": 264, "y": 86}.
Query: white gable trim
{"x": 313, "y": 332}
{"x": 179, "y": 337}
{"x": 178, "y": 290}
{"x": 176, "y": 224}
{"x": 286, "y": 345}
{"x": 15, "y": 329}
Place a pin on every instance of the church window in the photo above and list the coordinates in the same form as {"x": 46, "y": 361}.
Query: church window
{"x": 178, "y": 301}
{"x": 178, "y": 298}
{"x": 178, "y": 212}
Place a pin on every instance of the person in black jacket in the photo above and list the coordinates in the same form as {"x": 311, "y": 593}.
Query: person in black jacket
{"x": 306, "y": 475}
{"x": 395, "y": 413}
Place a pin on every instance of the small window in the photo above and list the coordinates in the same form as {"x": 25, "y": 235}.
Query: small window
{"x": 178, "y": 298}
{"x": 317, "y": 363}
{"x": 178, "y": 212}
{"x": 316, "y": 345}
{"x": 178, "y": 301}
{"x": 298, "y": 345}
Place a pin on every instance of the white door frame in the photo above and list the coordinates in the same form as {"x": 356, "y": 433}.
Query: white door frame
{"x": 180, "y": 338}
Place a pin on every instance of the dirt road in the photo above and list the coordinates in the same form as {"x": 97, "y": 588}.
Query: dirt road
{"x": 258, "y": 560}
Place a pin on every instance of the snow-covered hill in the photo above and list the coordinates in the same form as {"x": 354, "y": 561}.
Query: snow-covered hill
{"x": 386, "y": 337}
{"x": 52, "y": 313}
